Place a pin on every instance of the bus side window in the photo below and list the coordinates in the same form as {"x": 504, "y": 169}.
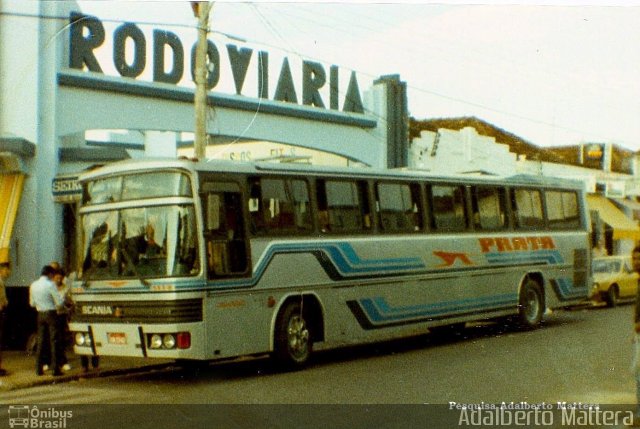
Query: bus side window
{"x": 398, "y": 207}
{"x": 347, "y": 206}
{"x": 527, "y": 211}
{"x": 448, "y": 208}
{"x": 562, "y": 209}
{"x": 488, "y": 208}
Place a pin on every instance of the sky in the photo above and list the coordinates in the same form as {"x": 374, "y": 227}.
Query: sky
{"x": 556, "y": 74}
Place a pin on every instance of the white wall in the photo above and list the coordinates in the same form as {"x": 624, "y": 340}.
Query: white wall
{"x": 464, "y": 151}
{"x": 31, "y": 52}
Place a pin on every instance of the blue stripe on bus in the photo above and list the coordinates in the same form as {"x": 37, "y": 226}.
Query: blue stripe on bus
{"x": 565, "y": 290}
{"x": 540, "y": 256}
{"x": 344, "y": 259}
{"x": 378, "y": 313}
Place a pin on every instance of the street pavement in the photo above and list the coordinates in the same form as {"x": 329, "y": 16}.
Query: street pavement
{"x": 21, "y": 369}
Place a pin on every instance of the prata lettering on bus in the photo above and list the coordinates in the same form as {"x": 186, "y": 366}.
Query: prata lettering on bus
{"x": 88, "y": 34}
{"x": 515, "y": 244}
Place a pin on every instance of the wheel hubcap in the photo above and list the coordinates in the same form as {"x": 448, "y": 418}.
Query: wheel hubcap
{"x": 533, "y": 305}
{"x": 298, "y": 336}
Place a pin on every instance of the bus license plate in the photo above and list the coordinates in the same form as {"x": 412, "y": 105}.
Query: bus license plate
{"x": 117, "y": 338}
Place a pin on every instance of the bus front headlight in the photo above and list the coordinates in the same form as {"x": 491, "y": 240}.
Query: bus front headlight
{"x": 79, "y": 339}
{"x": 82, "y": 339}
{"x": 169, "y": 341}
{"x": 156, "y": 341}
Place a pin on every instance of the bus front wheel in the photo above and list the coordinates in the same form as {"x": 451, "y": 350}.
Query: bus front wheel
{"x": 612, "y": 296}
{"x": 530, "y": 305}
{"x": 293, "y": 343}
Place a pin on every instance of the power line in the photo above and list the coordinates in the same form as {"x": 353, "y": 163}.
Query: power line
{"x": 292, "y": 51}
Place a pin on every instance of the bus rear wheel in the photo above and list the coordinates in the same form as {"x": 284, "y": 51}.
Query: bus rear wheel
{"x": 293, "y": 344}
{"x": 530, "y": 305}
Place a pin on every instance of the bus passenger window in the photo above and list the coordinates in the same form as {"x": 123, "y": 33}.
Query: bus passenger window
{"x": 448, "y": 208}
{"x": 527, "y": 209}
{"x": 488, "y": 208}
{"x": 346, "y": 204}
{"x": 279, "y": 206}
{"x": 562, "y": 209}
{"x": 397, "y": 206}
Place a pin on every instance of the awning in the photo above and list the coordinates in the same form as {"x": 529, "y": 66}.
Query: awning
{"x": 10, "y": 192}
{"x": 630, "y": 204}
{"x": 623, "y": 227}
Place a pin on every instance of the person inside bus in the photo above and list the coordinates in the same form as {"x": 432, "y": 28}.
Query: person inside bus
{"x": 151, "y": 247}
{"x": 98, "y": 252}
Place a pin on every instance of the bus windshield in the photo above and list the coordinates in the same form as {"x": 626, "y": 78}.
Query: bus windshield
{"x": 144, "y": 242}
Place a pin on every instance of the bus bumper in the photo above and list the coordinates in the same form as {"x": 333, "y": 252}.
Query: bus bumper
{"x": 183, "y": 341}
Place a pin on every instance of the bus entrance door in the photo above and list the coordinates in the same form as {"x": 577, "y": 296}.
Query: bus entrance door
{"x": 224, "y": 230}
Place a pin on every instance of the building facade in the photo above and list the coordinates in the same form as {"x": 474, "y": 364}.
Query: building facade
{"x": 78, "y": 91}
{"x": 612, "y": 195}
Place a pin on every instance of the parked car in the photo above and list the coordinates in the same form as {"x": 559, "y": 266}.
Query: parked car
{"x": 613, "y": 280}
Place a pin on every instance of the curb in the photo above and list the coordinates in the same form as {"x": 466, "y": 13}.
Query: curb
{"x": 65, "y": 378}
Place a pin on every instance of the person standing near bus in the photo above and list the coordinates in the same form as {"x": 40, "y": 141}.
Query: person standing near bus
{"x": 45, "y": 298}
{"x": 635, "y": 262}
{"x": 63, "y": 313}
{"x": 5, "y": 270}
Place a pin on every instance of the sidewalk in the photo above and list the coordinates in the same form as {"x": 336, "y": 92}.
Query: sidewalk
{"x": 21, "y": 369}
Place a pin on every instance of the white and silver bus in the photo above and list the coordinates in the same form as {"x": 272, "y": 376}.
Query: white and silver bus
{"x": 218, "y": 260}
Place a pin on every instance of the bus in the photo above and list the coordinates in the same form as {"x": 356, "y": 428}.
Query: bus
{"x": 212, "y": 260}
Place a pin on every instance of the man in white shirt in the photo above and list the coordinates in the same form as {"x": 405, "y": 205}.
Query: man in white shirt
{"x": 44, "y": 297}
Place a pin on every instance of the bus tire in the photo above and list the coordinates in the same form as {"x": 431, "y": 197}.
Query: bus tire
{"x": 612, "y": 297}
{"x": 293, "y": 344}
{"x": 530, "y": 305}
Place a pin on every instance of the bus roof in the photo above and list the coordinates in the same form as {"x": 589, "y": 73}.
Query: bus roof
{"x": 276, "y": 168}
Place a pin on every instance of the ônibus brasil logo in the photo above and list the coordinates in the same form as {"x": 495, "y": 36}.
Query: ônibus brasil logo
{"x": 34, "y": 417}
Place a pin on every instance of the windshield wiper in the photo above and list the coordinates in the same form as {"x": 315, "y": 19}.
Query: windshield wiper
{"x": 85, "y": 278}
{"x": 142, "y": 280}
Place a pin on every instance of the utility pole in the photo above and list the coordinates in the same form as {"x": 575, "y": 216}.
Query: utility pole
{"x": 201, "y": 10}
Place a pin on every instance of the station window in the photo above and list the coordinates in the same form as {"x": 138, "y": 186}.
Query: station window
{"x": 343, "y": 206}
{"x": 488, "y": 205}
{"x": 398, "y": 206}
{"x": 448, "y": 208}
